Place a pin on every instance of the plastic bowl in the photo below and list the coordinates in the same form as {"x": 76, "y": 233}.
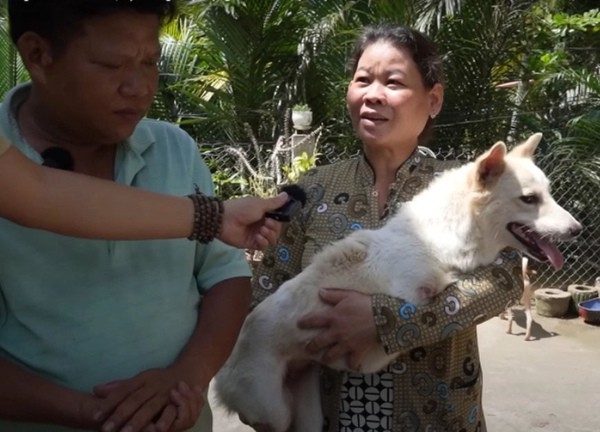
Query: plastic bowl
{"x": 590, "y": 310}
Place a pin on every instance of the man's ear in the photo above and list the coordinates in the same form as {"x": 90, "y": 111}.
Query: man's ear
{"x": 527, "y": 148}
{"x": 36, "y": 54}
{"x": 489, "y": 167}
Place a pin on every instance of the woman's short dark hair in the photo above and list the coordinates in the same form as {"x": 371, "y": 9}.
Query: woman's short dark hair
{"x": 421, "y": 48}
{"x": 58, "y": 21}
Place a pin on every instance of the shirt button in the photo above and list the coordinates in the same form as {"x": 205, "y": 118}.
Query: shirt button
{"x": 375, "y": 193}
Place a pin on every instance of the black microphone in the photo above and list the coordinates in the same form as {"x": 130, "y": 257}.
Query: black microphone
{"x": 58, "y": 157}
{"x": 296, "y": 200}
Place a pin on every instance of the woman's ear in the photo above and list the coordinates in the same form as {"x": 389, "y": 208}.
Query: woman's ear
{"x": 436, "y": 99}
{"x": 36, "y": 53}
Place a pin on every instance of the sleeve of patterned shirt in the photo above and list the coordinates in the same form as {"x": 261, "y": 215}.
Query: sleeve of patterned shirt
{"x": 473, "y": 299}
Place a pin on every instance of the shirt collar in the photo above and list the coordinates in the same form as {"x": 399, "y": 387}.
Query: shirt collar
{"x": 408, "y": 166}
{"x": 130, "y": 153}
{"x": 8, "y": 122}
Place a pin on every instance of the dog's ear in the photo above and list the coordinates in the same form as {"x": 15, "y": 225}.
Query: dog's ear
{"x": 527, "y": 148}
{"x": 489, "y": 166}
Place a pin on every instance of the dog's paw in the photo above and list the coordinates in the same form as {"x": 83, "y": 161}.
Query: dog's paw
{"x": 425, "y": 294}
{"x": 345, "y": 255}
{"x": 355, "y": 255}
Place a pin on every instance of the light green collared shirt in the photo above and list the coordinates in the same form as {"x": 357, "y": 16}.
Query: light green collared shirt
{"x": 85, "y": 312}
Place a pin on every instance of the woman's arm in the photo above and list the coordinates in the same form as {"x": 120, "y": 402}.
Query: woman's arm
{"x": 83, "y": 206}
{"x": 358, "y": 322}
{"x": 475, "y": 298}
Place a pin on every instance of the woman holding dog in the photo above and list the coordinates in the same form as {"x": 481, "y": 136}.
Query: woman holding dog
{"x": 395, "y": 92}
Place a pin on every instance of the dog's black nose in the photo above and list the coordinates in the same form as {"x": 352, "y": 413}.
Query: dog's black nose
{"x": 576, "y": 230}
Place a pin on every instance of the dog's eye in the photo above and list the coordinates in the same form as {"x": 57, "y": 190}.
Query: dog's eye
{"x": 530, "y": 199}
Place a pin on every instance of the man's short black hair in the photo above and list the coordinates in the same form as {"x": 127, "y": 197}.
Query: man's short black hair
{"x": 58, "y": 21}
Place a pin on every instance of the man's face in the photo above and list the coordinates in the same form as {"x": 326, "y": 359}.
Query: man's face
{"x": 104, "y": 81}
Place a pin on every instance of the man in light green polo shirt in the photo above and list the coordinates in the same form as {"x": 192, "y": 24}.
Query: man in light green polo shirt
{"x": 158, "y": 317}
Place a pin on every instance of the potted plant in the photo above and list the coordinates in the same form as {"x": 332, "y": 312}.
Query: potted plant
{"x": 301, "y": 117}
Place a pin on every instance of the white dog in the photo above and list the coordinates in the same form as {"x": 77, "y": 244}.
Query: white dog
{"x": 461, "y": 221}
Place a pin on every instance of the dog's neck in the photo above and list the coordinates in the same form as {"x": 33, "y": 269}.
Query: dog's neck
{"x": 445, "y": 216}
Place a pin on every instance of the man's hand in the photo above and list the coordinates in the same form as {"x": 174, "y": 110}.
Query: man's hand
{"x": 155, "y": 400}
{"x": 245, "y": 225}
{"x": 348, "y": 327}
{"x": 189, "y": 403}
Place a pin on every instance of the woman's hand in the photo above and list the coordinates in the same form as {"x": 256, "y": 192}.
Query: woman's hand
{"x": 348, "y": 327}
{"x": 245, "y": 224}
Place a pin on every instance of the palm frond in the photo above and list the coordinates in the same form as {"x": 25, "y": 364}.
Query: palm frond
{"x": 577, "y": 154}
{"x": 12, "y": 70}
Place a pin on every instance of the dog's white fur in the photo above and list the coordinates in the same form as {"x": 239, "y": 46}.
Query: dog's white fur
{"x": 456, "y": 224}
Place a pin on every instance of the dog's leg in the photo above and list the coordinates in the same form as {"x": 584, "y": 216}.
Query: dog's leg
{"x": 268, "y": 399}
{"x": 251, "y": 383}
{"x": 528, "y": 317}
{"x": 526, "y": 298}
{"x": 510, "y": 317}
{"x": 343, "y": 258}
{"x": 306, "y": 401}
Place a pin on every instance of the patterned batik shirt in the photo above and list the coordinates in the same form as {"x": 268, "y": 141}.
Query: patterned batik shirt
{"x": 435, "y": 385}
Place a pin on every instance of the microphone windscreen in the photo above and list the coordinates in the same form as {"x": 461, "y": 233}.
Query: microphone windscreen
{"x": 58, "y": 157}
{"x": 295, "y": 192}
{"x": 296, "y": 200}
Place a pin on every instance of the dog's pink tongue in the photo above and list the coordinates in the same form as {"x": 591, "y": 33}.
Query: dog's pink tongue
{"x": 552, "y": 252}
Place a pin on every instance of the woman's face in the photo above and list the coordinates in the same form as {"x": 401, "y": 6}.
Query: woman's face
{"x": 388, "y": 103}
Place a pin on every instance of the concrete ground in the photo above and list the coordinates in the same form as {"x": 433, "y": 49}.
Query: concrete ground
{"x": 550, "y": 384}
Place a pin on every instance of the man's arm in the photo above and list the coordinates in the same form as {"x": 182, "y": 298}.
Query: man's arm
{"x": 222, "y": 313}
{"x": 27, "y": 397}
{"x": 222, "y": 277}
{"x": 147, "y": 395}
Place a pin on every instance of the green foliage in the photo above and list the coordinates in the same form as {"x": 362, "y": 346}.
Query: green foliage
{"x": 228, "y": 179}
{"x": 566, "y": 23}
{"x": 12, "y": 70}
{"x": 248, "y": 69}
{"x": 300, "y": 165}
{"x": 301, "y": 108}
{"x": 262, "y": 174}
{"x": 581, "y": 144}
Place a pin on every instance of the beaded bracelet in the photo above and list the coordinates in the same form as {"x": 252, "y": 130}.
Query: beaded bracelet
{"x": 208, "y": 217}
